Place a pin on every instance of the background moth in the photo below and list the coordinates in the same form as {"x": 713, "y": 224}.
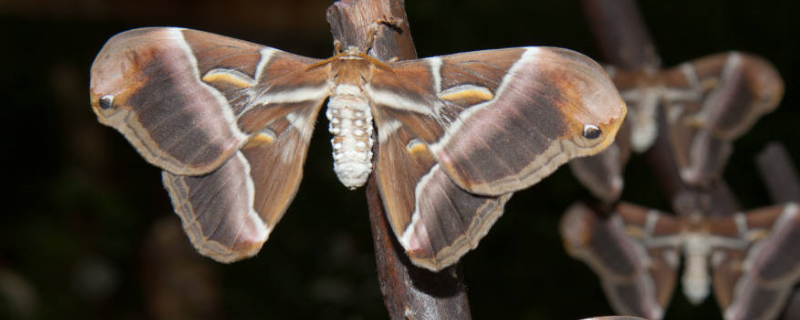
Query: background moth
{"x": 750, "y": 259}
{"x": 707, "y": 104}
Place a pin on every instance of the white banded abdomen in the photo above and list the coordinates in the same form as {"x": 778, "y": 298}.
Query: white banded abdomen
{"x": 350, "y": 122}
{"x": 695, "y": 280}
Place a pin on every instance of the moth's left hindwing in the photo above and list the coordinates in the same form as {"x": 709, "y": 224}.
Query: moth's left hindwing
{"x": 229, "y": 123}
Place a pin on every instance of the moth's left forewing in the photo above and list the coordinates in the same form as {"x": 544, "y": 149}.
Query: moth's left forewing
{"x": 542, "y": 107}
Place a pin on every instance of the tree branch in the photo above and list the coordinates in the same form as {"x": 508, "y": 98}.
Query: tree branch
{"x": 409, "y": 292}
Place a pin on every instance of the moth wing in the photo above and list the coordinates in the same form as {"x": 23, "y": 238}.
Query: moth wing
{"x": 602, "y": 174}
{"x": 637, "y": 280}
{"x": 229, "y": 122}
{"x": 435, "y": 220}
{"x": 747, "y": 87}
{"x": 758, "y": 284}
{"x": 229, "y": 213}
{"x": 470, "y": 126}
{"x": 498, "y": 121}
{"x": 145, "y": 83}
{"x": 729, "y": 93}
{"x": 156, "y": 86}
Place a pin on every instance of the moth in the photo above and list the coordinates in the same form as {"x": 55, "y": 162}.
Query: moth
{"x": 752, "y": 258}
{"x": 453, "y": 136}
{"x": 708, "y": 103}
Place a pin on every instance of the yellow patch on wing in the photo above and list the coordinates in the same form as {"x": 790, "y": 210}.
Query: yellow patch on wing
{"x": 260, "y": 140}
{"x": 466, "y": 94}
{"x": 230, "y": 77}
{"x": 418, "y": 149}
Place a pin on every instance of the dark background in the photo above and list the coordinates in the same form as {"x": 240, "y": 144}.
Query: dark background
{"x": 77, "y": 235}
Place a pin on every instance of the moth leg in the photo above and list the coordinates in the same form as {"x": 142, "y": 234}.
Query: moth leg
{"x": 337, "y": 47}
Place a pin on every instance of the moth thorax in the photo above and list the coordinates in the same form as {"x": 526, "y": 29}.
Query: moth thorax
{"x": 350, "y": 122}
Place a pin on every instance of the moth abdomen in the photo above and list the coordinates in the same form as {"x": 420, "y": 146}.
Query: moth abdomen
{"x": 351, "y": 125}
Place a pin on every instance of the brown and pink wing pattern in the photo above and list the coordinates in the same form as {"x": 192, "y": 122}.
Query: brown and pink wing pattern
{"x": 550, "y": 106}
{"x": 476, "y": 127}
{"x": 710, "y": 102}
{"x": 228, "y": 121}
{"x": 755, "y": 284}
{"x": 500, "y": 120}
{"x": 145, "y": 83}
{"x": 637, "y": 279}
{"x": 435, "y": 220}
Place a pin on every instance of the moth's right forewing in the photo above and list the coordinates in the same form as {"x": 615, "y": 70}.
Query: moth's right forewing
{"x": 146, "y": 84}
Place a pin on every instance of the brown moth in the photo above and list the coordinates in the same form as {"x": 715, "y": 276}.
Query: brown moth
{"x": 708, "y": 103}
{"x": 751, "y": 258}
{"x": 736, "y": 90}
{"x": 229, "y": 122}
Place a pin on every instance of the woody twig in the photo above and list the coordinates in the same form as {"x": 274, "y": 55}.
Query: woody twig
{"x": 409, "y": 292}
